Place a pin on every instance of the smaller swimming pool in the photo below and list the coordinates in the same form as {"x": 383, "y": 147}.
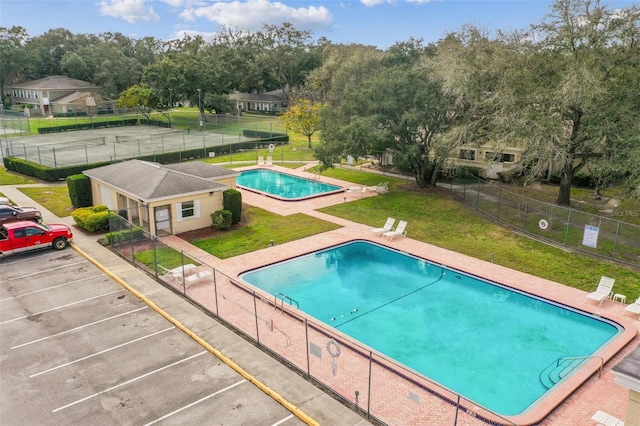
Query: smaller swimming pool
{"x": 283, "y": 186}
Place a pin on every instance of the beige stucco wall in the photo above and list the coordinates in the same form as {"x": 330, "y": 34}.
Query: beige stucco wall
{"x": 633, "y": 409}
{"x": 207, "y": 203}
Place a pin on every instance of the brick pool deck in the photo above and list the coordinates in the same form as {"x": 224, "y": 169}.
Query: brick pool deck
{"x": 572, "y": 404}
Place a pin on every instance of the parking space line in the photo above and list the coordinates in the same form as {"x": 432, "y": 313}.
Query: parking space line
{"x": 283, "y": 420}
{"x": 264, "y": 388}
{"x": 78, "y": 328}
{"x": 86, "y": 398}
{"x": 66, "y": 364}
{"x": 51, "y": 288}
{"x": 46, "y": 271}
{"x": 62, "y": 306}
{"x": 197, "y": 402}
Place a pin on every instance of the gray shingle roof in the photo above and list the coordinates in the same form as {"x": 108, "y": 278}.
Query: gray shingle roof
{"x": 203, "y": 170}
{"x": 55, "y": 82}
{"x": 630, "y": 364}
{"x": 149, "y": 181}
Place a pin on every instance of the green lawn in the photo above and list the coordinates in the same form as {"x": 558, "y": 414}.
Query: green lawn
{"x": 53, "y": 198}
{"x": 165, "y": 256}
{"x": 261, "y": 229}
{"x": 446, "y": 223}
{"x": 10, "y": 178}
{"x": 432, "y": 218}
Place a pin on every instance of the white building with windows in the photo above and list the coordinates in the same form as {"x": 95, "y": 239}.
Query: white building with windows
{"x": 162, "y": 199}
{"x": 57, "y": 95}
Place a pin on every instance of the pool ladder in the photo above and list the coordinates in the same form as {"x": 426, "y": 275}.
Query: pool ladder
{"x": 282, "y": 297}
{"x": 558, "y": 369}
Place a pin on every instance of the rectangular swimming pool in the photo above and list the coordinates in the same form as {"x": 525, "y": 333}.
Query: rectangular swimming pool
{"x": 494, "y": 345}
{"x": 283, "y": 186}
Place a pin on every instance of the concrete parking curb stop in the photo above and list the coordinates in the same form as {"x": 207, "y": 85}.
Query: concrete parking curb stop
{"x": 273, "y": 394}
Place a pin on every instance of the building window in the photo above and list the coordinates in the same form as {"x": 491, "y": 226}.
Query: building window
{"x": 467, "y": 154}
{"x": 501, "y": 158}
{"x": 188, "y": 209}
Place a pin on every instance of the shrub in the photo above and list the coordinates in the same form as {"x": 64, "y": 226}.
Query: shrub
{"x": 221, "y": 219}
{"x": 232, "y": 201}
{"x": 93, "y": 219}
{"x": 79, "y": 187}
{"x": 135, "y": 234}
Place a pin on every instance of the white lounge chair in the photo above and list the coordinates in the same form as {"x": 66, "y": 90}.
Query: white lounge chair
{"x": 399, "y": 231}
{"x": 260, "y": 160}
{"x": 269, "y": 160}
{"x": 605, "y": 419}
{"x": 388, "y": 226}
{"x": 603, "y": 291}
{"x": 379, "y": 188}
{"x": 634, "y": 308}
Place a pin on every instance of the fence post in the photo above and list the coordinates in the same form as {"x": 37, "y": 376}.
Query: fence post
{"x": 369, "y": 384}
{"x": 499, "y": 205}
{"x": 255, "y": 314}
{"x": 55, "y": 163}
{"x": 215, "y": 291}
{"x": 615, "y": 241}
{"x": 155, "y": 256}
{"x": 306, "y": 337}
{"x": 566, "y": 233}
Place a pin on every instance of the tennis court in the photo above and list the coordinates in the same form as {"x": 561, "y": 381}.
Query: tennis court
{"x": 110, "y": 144}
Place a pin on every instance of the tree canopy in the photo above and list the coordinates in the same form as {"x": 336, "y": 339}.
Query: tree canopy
{"x": 563, "y": 92}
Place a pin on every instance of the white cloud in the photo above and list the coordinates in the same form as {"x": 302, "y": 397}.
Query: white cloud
{"x": 253, "y": 14}
{"x": 180, "y": 34}
{"x": 371, "y": 3}
{"x": 131, "y": 11}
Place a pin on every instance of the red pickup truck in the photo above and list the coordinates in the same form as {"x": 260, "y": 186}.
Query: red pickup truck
{"x": 24, "y": 236}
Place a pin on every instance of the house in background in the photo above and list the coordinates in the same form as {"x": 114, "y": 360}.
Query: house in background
{"x": 162, "y": 199}
{"x": 272, "y": 102}
{"x": 58, "y": 95}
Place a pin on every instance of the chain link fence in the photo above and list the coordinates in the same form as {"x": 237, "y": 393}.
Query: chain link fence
{"x": 600, "y": 235}
{"x": 118, "y": 142}
{"x": 379, "y": 388}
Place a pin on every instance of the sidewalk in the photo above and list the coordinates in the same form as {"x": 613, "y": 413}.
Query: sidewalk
{"x": 305, "y": 396}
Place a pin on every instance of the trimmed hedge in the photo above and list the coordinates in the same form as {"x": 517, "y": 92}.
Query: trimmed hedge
{"x": 93, "y": 219}
{"x": 80, "y": 190}
{"x": 232, "y": 201}
{"x": 135, "y": 234}
{"x": 88, "y": 126}
{"x": 44, "y": 172}
{"x": 266, "y": 136}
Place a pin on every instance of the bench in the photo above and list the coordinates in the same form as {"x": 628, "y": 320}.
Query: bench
{"x": 175, "y": 274}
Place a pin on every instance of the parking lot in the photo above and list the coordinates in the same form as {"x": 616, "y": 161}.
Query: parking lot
{"x": 78, "y": 348}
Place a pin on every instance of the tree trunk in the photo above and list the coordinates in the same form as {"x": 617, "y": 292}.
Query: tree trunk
{"x": 564, "y": 192}
{"x": 309, "y": 139}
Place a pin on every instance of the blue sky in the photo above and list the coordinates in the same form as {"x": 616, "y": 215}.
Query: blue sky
{"x": 374, "y": 22}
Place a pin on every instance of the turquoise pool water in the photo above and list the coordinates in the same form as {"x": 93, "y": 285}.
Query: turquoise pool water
{"x": 477, "y": 338}
{"x": 283, "y": 186}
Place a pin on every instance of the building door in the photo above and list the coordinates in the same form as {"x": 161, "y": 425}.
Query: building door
{"x": 162, "y": 215}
